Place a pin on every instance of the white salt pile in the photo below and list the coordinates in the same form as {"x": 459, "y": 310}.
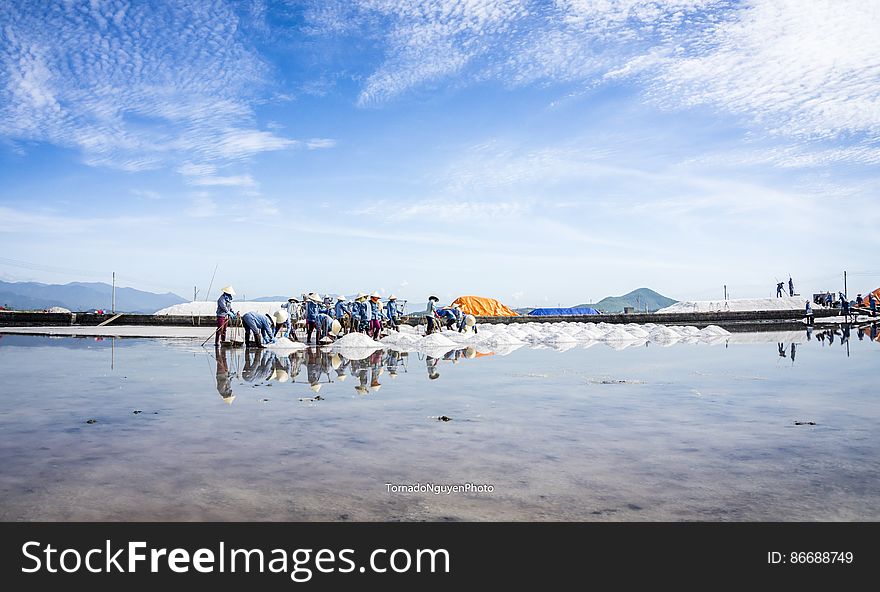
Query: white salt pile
{"x": 285, "y": 343}
{"x": 501, "y": 338}
{"x": 714, "y": 331}
{"x": 435, "y": 340}
{"x": 207, "y": 309}
{"x": 740, "y": 304}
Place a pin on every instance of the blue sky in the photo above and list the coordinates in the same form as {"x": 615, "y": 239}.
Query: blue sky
{"x": 536, "y": 152}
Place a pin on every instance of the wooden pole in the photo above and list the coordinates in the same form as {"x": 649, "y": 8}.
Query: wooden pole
{"x": 113, "y": 298}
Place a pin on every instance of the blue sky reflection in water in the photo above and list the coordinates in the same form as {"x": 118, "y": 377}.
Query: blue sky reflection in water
{"x": 687, "y": 432}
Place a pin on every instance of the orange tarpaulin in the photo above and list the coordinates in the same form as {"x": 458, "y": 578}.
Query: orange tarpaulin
{"x": 483, "y": 307}
{"x": 876, "y": 294}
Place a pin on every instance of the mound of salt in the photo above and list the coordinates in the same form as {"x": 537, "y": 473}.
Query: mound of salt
{"x": 714, "y": 330}
{"x": 285, "y": 343}
{"x": 502, "y": 339}
{"x": 663, "y": 334}
{"x": 435, "y": 340}
{"x": 357, "y": 340}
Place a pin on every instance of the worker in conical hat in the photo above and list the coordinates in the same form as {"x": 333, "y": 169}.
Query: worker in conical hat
{"x": 376, "y": 315}
{"x": 392, "y": 313}
{"x": 313, "y": 304}
{"x": 294, "y": 311}
{"x": 224, "y": 314}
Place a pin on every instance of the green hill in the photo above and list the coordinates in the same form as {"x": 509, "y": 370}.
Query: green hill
{"x": 638, "y": 299}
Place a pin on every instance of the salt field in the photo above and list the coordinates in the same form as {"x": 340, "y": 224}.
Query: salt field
{"x": 574, "y": 421}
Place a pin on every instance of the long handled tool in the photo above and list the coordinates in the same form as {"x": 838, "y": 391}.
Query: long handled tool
{"x": 210, "y": 336}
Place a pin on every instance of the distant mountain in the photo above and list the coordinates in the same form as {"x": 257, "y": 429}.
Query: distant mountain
{"x": 638, "y": 299}
{"x": 80, "y": 296}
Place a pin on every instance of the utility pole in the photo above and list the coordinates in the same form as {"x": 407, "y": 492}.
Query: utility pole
{"x": 725, "y": 292}
{"x": 113, "y": 303}
{"x": 195, "y": 293}
{"x": 844, "y": 283}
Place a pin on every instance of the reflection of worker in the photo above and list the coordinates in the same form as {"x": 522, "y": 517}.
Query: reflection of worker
{"x": 224, "y": 384}
{"x": 782, "y": 350}
{"x": 392, "y": 360}
{"x": 431, "y": 365}
{"x": 258, "y": 365}
{"x": 224, "y": 314}
{"x": 793, "y": 345}
{"x": 313, "y": 368}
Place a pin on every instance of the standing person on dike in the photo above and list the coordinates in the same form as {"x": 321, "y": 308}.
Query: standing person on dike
{"x": 224, "y": 314}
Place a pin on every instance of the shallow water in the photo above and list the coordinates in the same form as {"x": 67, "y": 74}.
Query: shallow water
{"x": 687, "y": 432}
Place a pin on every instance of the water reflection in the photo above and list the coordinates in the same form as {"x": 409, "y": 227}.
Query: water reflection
{"x": 224, "y": 382}
{"x": 317, "y": 367}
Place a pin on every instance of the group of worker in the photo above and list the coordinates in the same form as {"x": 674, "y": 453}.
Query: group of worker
{"x": 451, "y": 316}
{"x": 325, "y": 318}
{"x": 328, "y": 318}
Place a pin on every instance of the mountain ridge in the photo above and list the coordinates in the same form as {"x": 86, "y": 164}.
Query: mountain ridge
{"x": 82, "y": 296}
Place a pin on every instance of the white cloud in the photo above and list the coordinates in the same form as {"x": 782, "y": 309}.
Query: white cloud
{"x": 796, "y": 70}
{"x": 133, "y": 86}
{"x": 37, "y": 223}
{"x": 803, "y": 69}
{"x": 228, "y": 181}
{"x": 318, "y": 143}
{"x": 189, "y": 169}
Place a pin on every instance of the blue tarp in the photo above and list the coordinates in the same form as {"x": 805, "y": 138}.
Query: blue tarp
{"x": 553, "y": 312}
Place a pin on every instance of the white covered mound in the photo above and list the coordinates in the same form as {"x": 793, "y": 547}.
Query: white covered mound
{"x": 741, "y": 304}
{"x": 206, "y": 309}
{"x": 285, "y": 343}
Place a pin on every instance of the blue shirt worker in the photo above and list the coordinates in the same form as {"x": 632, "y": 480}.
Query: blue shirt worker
{"x": 446, "y": 315}
{"x": 224, "y": 314}
{"x": 327, "y": 326}
{"x": 313, "y": 304}
{"x": 431, "y": 314}
{"x": 392, "y": 313}
{"x": 872, "y": 304}
{"x": 340, "y": 308}
{"x": 261, "y": 325}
